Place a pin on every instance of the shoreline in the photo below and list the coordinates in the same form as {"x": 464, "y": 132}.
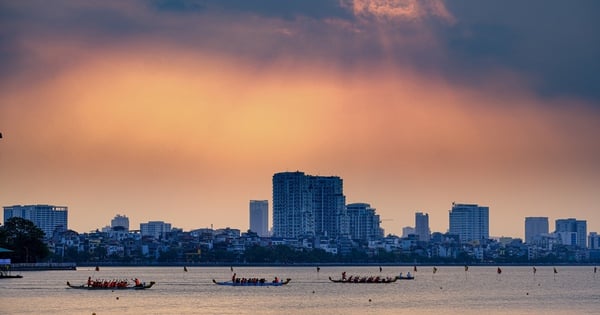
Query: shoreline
{"x": 42, "y": 266}
{"x": 220, "y": 264}
{"x": 74, "y": 266}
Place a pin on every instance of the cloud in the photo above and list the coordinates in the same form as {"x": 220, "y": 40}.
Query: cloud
{"x": 551, "y": 43}
{"x": 265, "y": 32}
{"x": 413, "y": 103}
{"x": 154, "y": 127}
{"x": 402, "y": 10}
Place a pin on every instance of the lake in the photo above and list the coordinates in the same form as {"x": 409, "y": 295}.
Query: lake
{"x": 451, "y": 290}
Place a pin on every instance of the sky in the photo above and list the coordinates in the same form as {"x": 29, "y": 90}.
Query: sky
{"x": 182, "y": 111}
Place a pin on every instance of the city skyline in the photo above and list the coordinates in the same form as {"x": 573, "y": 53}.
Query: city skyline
{"x": 181, "y": 111}
{"x": 471, "y": 222}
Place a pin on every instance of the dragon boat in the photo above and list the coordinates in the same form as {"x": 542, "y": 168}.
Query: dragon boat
{"x": 141, "y": 286}
{"x": 373, "y": 279}
{"x": 253, "y": 283}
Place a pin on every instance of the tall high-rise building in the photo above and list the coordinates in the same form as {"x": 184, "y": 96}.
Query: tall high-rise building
{"x": 534, "y": 228}
{"x": 594, "y": 241}
{"x": 120, "y": 221}
{"x": 422, "y": 226}
{"x": 363, "y": 222}
{"x": 573, "y": 226}
{"x": 46, "y": 217}
{"x": 328, "y": 206}
{"x": 470, "y": 222}
{"x": 259, "y": 217}
{"x": 292, "y": 205}
{"x": 308, "y": 205}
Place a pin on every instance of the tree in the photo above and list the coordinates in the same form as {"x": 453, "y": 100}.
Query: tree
{"x": 25, "y": 239}
{"x": 169, "y": 255}
{"x": 258, "y": 254}
{"x": 99, "y": 253}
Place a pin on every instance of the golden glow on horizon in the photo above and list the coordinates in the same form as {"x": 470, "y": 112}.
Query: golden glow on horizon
{"x": 164, "y": 130}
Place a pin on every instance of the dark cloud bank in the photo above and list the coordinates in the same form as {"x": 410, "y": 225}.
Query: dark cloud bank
{"x": 554, "y": 45}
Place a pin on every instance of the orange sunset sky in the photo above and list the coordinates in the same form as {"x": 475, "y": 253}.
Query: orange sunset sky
{"x": 182, "y": 111}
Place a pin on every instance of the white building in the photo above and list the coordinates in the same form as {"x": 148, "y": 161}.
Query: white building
{"x": 579, "y": 227}
{"x": 470, "y": 222}
{"x": 308, "y": 205}
{"x": 259, "y": 217}
{"x": 363, "y": 222}
{"x": 408, "y": 230}
{"x": 156, "y": 229}
{"x": 120, "y": 220}
{"x": 594, "y": 241}
{"x": 422, "y": 226}
{"x": 535, "y": 227}
{"x": 46, "y": 217}
{"x": 567, "y": 238}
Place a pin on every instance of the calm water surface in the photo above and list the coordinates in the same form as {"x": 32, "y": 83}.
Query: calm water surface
{"x": 574, "y": 290}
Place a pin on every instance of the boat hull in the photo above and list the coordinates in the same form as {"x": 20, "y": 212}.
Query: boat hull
{"x": 85, "y": 287}
{"x": 252, "y": 284}
{"x": 365, "y": 281}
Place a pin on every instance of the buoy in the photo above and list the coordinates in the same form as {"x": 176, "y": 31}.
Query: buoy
{"x": 117, "y": 297}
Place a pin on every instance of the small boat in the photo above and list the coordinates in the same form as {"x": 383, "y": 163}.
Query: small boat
{"x": 7, "y": 274}
{"x": 141, "y": 286}
{"x": 365, "y": 280}
{"x": 407, "y": 277}
{"x": 253, "y": 283}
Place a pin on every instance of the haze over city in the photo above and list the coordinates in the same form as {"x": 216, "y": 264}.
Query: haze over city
{"x": 182, "y": 111}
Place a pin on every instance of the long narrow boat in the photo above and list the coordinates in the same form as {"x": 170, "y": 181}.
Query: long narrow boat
{"x": 253, "y": 283}
{"x": 5, "y": 276}
{"x": 364, "y": 280}
{"x": 129, "y": 287}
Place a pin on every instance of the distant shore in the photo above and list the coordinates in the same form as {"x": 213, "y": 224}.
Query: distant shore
{"x": 42, "y": 266}
{"x": 223, "y": 264}
{"x": 74, "y": 266}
